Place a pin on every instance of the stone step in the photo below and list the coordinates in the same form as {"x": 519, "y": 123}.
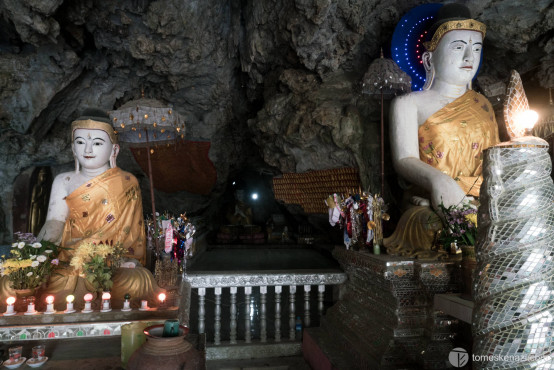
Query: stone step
{"x": 254, "y": 350}
{"x": 272, "y": 363}
{"x": 322, "y": 352}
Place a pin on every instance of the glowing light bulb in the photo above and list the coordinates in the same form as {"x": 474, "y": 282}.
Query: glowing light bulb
{"x": 526, "y": 120}
{"x": 69, "y": 308}
{"x": 49, "y": 305}
{"x": 106, "y": 302}
{"x": 88, "y": 305}
{"x": 254, "y": 196}
{"x": 10, "y": 311}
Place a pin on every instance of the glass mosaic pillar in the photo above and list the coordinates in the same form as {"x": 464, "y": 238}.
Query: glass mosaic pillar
{"x": 513, "y": 316}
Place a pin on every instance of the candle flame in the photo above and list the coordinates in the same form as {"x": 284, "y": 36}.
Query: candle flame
{"x": 10, "y": 300}
{"x": 50, "y": 299}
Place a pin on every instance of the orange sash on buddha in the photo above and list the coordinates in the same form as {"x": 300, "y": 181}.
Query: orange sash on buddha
{"x": 453, "y": 139}
{"x": 106, "y": 208}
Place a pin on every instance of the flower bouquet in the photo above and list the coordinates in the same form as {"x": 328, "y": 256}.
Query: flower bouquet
{"x": 97, "y": 263}
{"x": 31, "y": 262}
{"x": 460, "y": 225}
{"x": 459, "y": 236}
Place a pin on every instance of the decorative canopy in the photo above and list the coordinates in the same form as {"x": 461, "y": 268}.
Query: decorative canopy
{"x": 138, "y": 118}
{"x": 384, "y": 76}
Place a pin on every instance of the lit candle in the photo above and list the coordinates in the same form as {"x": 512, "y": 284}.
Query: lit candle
{"x": 10, "y": 308}
{"x": 144, "y": 305}
{"x": 69, "y": 299}
{"x": 127, "y": 303}
{"x": 106, "y": 302}
{"x": 31, "y": 306}
{"x": 161, "y": 298}
{"x": 49, "y": 305}
{"x": 88, "y": 304}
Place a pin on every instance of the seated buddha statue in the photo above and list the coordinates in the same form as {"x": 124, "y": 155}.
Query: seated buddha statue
{"x": 239, "y": 213}
{"x": 98, "y": 202}
{"x": 438, "y": 134}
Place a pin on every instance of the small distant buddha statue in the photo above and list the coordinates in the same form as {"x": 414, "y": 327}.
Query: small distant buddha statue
{"x": 98, "y": 202}
{"x": 239, "y": 213}
{"x": 438, "y": 134}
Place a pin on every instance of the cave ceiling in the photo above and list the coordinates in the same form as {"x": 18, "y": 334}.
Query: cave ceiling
{"x": 270, "y": 83}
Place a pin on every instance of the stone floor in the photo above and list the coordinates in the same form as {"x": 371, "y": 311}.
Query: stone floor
{"x": 264, "y": 257}
{"x": 279, "y": 363}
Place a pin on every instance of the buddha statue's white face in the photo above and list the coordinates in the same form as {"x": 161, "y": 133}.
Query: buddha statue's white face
{"x": 457, "y": 57}
{"x": 92, "y": 148}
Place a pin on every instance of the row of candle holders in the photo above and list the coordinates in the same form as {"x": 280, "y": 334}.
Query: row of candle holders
{"x": 106, "y": 305}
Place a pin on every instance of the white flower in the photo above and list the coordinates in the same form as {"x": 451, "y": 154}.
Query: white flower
{"x": 33, "y": 256}
{"x": 20, "y": 245}
{"x": 14, "y": 245}
{"x": 37, "y": 245}
{"x": 30, "y": 273}
{"x": 41, "y": 258}
{"x": 34, "y": 264}
{"x": 48, "y": 251}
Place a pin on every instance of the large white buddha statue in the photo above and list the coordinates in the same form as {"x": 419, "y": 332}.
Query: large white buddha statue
{"x": 438, "y": 134}
{"x": 98, "y": 202}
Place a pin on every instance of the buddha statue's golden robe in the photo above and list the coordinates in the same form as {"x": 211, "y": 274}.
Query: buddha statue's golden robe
{"x": 106, "y": 209}
{"x": 452, "y": 140}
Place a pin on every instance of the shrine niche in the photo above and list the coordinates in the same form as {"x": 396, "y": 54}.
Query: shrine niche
{"x": 30, "y": 199}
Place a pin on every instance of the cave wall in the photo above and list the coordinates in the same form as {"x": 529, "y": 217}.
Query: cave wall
{"x": 272, "y": 84}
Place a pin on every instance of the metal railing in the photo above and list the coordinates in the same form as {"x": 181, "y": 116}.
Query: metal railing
{"x": 244, "y": 282}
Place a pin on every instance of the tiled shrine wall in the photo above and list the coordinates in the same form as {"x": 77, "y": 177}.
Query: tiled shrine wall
{"x": 385, "y": 318}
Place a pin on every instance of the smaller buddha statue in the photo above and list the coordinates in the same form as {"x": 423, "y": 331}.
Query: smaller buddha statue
{"x": 438, "y": 135}
{"x": 98, "y": 203}
{"x": 39, "y": 199}
{"x": 239, "y": 213}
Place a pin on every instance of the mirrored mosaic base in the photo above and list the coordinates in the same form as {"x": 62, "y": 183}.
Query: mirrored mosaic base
{"x": 513, "y": 316}
{"x": 385, "y": 317}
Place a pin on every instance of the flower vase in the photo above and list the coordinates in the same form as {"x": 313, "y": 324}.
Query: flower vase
{"x": 22, "y": 296}
{"x": 164, "y": 353}
{"x": 25, "y": 293}
{"x": 469, "y": 262}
